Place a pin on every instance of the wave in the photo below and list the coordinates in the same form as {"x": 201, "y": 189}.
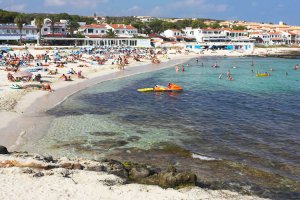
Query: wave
{"x": 201, "y": 157}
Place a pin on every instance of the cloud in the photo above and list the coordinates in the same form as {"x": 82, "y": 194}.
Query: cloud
{"x": 16, "y": 7}
{"x": 74, "y": 3}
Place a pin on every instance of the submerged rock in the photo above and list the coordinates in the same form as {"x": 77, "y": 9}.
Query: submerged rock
{"x": 3, "y": 150}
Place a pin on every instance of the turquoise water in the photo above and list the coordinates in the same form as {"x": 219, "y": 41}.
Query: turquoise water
{"x": 241, "y": 134}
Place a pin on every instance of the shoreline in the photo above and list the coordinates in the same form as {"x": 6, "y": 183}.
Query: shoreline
{"x": 64, "y": 178}
{"x": 38, "y": 102}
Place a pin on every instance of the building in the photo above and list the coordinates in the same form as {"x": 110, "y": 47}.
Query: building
{"x": 100, "y": 30}
{"x": 238, "y": 35}
{"x": 94, "y": 30}
{"x": 58, "y": 30}
{"x": 11, "y": 32}
{"x": 123, "y": 30}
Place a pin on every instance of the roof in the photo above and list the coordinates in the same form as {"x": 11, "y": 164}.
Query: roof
{"x": 121, "y": 26}
{"x": 238, "y": 31}
{"x": 275, "y": 33}
{"x": 175, "y": 30}
{"x": 276, "y": 39}
{"x": 95, "y": 26}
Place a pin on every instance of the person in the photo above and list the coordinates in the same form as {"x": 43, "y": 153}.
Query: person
{"x": 183, "y": 68}
{"x": 177, "y": 69}
{"x": 64, "y": 77}
{"x": 197, "y": 60}
{"x": 286, "y": 73}
{"x": 79, "y": 75}
{"x": 169, "y": 85}
{"x": 228, "y": 74}
{"x": 296, "y": 67}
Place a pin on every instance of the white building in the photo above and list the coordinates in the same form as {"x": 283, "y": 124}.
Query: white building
{"x": 10, "y": 32}
{"x": 100, "y": 30}
{"x": 93, "y": 30}
{"x": 238, "y": 35}
{"x": 58, "y": 30}
{"x": 123, "y": 30}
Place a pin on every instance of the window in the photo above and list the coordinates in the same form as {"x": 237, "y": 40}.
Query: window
{"x": 45, "y": 29}
{"x": 102, "y": 31}
{"x": 90, "y": 30}
{"x": 62, "y": 30}
{"x": 96, "y": 31}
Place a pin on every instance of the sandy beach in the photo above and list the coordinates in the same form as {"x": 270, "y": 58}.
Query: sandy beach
{"x": 22, "y": 106}
{"x": 24, "y": 176}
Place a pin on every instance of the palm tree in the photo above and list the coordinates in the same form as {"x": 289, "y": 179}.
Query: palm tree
{"x": 19, "y": 20}
{"x": 39, "y": 24}
{"x": 53, "y": 20}
{"x": 110, "y": 33}
{"x": 72, "y": 26}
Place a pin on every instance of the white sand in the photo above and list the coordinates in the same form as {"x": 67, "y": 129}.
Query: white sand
{"x": 19, "y": 183}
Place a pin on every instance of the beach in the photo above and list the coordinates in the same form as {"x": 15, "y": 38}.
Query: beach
{"x": 21, "y": 107}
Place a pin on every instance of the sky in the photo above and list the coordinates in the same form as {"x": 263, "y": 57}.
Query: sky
{"x": 249, "y": 10}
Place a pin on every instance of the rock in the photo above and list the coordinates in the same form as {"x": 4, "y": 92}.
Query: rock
{"x": 138, "y": 173}
{"x": 69, "y": 165}
{"x": 116, "y": 168}
{"x": 38, "y": 174}
{"x": 3, "y": 150}
{"x": 170, "y": 179}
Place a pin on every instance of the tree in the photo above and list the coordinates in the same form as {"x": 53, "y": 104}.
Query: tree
{"x": 110, "y": 33}
{"x": 39, "y": 22}
{"x": 19, "y": 20}
{"x": 53, "y": 21}
{"x": 239, "y": 28}
{"x": 72, "y": 26}
{"x": 215, "y": 25}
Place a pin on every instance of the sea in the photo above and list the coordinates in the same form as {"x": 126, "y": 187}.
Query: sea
{"x": 241, "y": 134}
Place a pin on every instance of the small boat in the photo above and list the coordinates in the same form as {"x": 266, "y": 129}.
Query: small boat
{"x": 261, "y": 75}
{"x": 171, "y": 87}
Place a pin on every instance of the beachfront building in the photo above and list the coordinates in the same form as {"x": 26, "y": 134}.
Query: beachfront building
{"x": 11, "y": 32}
{"x": 93, "y": 30}
{"x": 123, "y": 30}
{"x": 208, "y": 35}
{"x": 260, "y": 38}
{"x": 58, "y": 30}
{"x": 100, "y": 30}
{"x": 238, "y": 35}
{"x": 173, "y": 34}
{"x": 276, "y": 38}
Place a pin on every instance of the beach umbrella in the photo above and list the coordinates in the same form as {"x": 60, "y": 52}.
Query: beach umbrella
{"x": 21, "y": 74}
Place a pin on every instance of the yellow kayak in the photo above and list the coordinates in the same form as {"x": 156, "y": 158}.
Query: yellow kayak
{"x": 260, "y": 75}
{"x": 145, "y": 90}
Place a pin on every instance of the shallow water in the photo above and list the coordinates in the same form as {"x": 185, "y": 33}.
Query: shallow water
{"x": 241, "y": 134}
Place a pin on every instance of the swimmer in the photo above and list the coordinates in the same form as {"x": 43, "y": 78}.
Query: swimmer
{"x": 177, "y": 69}
{"x": 220, "y": 77}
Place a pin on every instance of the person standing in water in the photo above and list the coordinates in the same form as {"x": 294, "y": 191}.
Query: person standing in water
{"x": 183, "y": 68}
{"x": 177, "y": 69}
{"x": 197, "y": 60}
{"x": 228, "y": 74}
{"x": 296, "y": 67}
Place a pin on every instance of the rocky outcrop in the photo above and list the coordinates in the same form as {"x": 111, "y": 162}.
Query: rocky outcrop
{"x": 169, "y": 178}
{"x": 3, "y": 150}
{"x": 129, "y": 172}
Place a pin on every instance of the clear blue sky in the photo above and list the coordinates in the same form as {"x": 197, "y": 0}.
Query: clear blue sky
{"x": 249, "y": 10}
